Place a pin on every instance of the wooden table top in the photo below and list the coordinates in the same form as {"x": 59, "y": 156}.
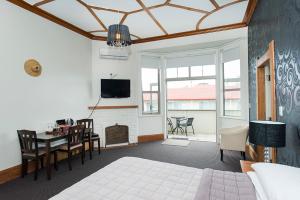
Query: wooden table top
{"x": 48, "y": 137}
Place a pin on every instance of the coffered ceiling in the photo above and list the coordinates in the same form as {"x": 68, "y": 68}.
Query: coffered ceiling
{"x": 148, "y": 20}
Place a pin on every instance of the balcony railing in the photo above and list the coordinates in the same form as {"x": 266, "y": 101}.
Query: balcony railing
{"x": 204, "y": 120}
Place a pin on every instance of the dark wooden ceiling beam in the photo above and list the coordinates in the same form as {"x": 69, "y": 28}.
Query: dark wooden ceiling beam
{"x": 184, "y": 34}
{"x": 46, "y": 15}
{"x": 136, "y": 36}
{"x": 108, "y": 9}
{"x": 250, "y": 10}
{"x": 93, "y": 14}
{"x": 215, "y": 10}
{"x": 98, "y": 31}
{"x": 42, "y": 2}
{"x": 123, "y": 18}
{"x": 215, "y": 3}
{"x": 149, "y": 8}
{"x": 152, "y": 17}
{"x": 190, "y": 33}
{"x": 186, "y": 8}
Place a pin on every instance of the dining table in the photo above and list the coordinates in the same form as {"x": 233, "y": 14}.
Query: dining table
{"x": 51, "y": 141}
{"x": 178, "y": 119}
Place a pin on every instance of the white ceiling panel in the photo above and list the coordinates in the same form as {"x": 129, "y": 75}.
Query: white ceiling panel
{"x": 109, "y": 18}
{"x": 199, "y": 4}
{"x": 74, "y": 13}
{"x": 122, "y": 5}
{"x": 229, "y": 15}
{"x": 104, "y": 34}
{"x": 134, "y": 37}
{"x": 142, "y": 25}
{"x": 32, "y": 1}
{"x": 149, "y": 3}
{"x": 224, "y": 2}
{"x": 174, "y": 16}
{"x": 176, "y": 20}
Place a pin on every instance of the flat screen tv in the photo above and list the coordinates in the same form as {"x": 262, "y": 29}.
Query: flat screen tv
{"x": 115, "y": 88}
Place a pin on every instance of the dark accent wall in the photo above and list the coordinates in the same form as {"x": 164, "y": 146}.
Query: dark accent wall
{"x": 279, "y": 20}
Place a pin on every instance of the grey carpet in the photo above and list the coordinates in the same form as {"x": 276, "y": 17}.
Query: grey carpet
{"x": 197, "y": 154}
{"x": 176, "y": 142}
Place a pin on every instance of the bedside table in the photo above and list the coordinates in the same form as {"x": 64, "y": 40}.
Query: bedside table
{"x": 246, "y": 165}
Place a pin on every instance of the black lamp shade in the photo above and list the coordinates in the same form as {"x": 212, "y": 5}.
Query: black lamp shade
{"x": 118, "y": 36}
{"x": 267, "y": 133}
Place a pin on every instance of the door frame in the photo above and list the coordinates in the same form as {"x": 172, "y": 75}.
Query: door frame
{"x": 268, "y": 59}
{"x": 191, "y": 79}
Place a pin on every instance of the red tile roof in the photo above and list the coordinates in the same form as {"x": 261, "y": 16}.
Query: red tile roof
{"x": 198, "y": 92}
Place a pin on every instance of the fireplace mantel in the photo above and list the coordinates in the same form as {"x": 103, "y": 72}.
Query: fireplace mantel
{"x": 112, "y": 107}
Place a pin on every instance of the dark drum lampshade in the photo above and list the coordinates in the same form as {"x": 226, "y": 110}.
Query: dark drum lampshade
{"x": 267, "y": 133}
{"x": 118, "y": 36}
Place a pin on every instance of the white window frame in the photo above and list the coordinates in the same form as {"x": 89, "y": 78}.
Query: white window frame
{"x": 229, "y": 90}
{"x": 151, "y": 92}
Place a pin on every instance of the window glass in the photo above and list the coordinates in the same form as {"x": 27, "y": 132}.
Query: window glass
{"x": 150, "y": 79}
{"x": 172, "y": 73}
{"x": 182, "y": 72}
{"x": 150, "y": 90}
{"x": 232, "y": 69}
{"x": 209, "y": 70}
{"x": 232, "y": 88}
{"x": 151, "y": 103}
{"x": 191, "y": 95}
{"x": 196, "y": 71}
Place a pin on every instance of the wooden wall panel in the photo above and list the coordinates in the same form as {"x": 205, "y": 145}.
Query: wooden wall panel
{"x": 150, "y": 138}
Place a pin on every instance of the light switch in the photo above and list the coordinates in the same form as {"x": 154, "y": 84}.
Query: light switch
{"x": 280, "y": 111}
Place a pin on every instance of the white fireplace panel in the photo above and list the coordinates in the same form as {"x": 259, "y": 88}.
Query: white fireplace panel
{"x": 110, "y": 117}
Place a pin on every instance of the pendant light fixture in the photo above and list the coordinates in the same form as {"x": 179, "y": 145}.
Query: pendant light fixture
{"x": 118, "y": 36}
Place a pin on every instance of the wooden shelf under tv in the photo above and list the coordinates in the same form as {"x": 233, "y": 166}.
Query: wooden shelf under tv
{"x": 113, "y": 107}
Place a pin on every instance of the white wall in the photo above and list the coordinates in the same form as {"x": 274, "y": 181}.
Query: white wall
{"x": 131, "y": 70}
{"x": 63, "y": 89}
{"x": 121, "y": 69}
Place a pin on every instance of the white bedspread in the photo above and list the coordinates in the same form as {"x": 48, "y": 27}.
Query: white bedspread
{"x": 132, "y": 178}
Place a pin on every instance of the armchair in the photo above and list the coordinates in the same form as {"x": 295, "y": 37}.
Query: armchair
{"x": 234, "y": 139}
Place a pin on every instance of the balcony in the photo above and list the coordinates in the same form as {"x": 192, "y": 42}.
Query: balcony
{"x": 204, "y": 124}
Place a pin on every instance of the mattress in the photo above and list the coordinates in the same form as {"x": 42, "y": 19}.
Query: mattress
{"x": 131, "y": 178}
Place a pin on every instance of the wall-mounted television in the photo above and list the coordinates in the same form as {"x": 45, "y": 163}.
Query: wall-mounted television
{"x": 115, "y": 88}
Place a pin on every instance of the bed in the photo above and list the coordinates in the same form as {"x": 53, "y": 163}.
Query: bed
{"x": 131, "y": 178}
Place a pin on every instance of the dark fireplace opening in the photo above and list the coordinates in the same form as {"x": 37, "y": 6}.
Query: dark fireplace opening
{"x": 116, "y": 134}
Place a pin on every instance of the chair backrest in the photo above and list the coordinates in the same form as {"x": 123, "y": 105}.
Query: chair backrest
{"x": 61, "y": 122}
{"x": 87, "y": 123}
{"x": 170, "y": 123}
{"x": 190, "y": 121}
{"x": 75, "y": 135}
{"x": 64, "y": 121}
{"x": 28, "y": 141}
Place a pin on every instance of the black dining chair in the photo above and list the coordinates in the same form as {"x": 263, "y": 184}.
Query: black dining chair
{"x": 31, "y": 151}
{"x": 187, "y": 123}
{"x": 61, "y": 122}
{"x": 75, "y": 143}
{"x": 171, "y": 125}
{"x": 90, "y": 136}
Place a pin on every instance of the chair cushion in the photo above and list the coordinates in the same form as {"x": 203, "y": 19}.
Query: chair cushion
{"x": 65, "y": 147}
{"x": 95, "y": 135}
{"x": 32, "y": 155}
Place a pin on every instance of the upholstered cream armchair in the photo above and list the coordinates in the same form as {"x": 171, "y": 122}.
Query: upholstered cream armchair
{"x": 234, "y": 139}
